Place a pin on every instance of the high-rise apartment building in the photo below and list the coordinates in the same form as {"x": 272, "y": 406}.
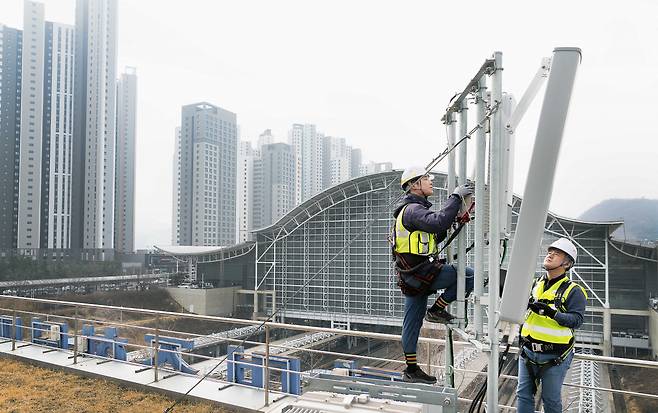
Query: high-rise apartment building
{"x": 176, "y": 195}
{"x": 57, "y": 125}
{"x": 205, "y": 177}
{"x": 92, "y": 224}
{"x": 30, "y": 164}
{"x": 308, "y": 147}
{"x": 124, "y": 211}
{"x": 57, "y": 136}
{"x": 375, "y": 167}
{"x": 274, "y": 183}
{"x": 265, "y": 138}
{"x": 11, "y": 47}
{"x": 356, "y": 158}
{"x": 245, "y": 191}
{"x": 36, "y": 111}
{"x": 337, "y": 161}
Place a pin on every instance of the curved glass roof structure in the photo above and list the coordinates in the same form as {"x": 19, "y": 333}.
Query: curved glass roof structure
{"x": 329, "y": 258}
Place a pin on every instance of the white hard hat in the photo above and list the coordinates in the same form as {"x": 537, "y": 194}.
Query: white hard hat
{"x": 412, "y": 173}
{"x": 565, "y": 246}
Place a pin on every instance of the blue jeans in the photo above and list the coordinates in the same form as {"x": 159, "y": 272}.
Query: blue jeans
{"x": 415, "y": 307}
{"x": 551, "y": 382}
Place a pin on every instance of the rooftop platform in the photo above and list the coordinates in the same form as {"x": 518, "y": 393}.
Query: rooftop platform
{"x": 173, "y": 384}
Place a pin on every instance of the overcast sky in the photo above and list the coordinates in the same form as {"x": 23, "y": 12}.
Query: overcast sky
{"x": 380, "y": 74}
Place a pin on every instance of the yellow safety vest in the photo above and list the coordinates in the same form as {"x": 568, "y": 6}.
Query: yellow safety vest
{"x": 416, "y": 242}
{"x": 544, "y": 328}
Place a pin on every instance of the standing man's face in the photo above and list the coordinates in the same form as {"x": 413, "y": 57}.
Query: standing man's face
{"x": 554, "y": 258}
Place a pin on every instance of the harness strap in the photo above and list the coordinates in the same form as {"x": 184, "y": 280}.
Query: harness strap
{"x": 536, "y": 378}
{"x": 424, "y": 279}
{"x": 559, "y": 293}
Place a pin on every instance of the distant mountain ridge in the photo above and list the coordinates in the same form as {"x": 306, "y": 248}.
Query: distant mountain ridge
{"x": 640, "y": 217}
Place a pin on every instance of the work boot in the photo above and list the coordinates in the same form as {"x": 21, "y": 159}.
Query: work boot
{"x": 438, "y": 316}
{"x": 417, "y": 376}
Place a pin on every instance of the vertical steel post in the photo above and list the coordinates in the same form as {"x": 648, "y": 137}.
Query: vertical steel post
{"x": 75, "y": 337}
{"x": 13, "y": 328}
{"x": 480, "y": 196}
{"x": 452, "y": 131}
{"x": 494, "y": 232}
{"x": 266, "y": 370}
{"x": 273, "y": 281}
{"x": 450, "y": 360}
{"x": 157, "y": 347}
{"x": 429, "y": 358}
{"x": 461, "y": 238}
{"x": 607, "y": 321}
{"x": 255, "y": 314}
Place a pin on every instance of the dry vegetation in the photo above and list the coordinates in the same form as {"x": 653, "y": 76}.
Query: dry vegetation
{"x": 26, "y": 388}
{"x": 642, "y": 381}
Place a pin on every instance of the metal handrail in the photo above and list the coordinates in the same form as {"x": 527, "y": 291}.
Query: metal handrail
{"x": 382, "y": 336}
{"x": 352, "y": 333}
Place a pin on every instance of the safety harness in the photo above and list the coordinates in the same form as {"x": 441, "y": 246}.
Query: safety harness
{"x": 546, "y": 347}
{"x": 402, "y": 268}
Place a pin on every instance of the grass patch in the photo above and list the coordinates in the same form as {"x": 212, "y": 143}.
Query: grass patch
{"x": 27, "y": 388}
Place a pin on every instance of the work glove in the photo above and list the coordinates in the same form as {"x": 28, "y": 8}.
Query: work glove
{"x": 462, "y": 191}
{"x": 542, "y": 309}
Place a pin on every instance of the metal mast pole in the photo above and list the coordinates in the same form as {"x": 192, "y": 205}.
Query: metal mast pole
{"x": 461, "y": 240}
{"x": 255, "y": 314}
{"x": 494, "y": 232}
{"x": 452, "y": 129}
{"x": 480, "y": 196}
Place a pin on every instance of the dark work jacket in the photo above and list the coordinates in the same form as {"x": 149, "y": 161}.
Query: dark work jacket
{"x": 418, "y": 216}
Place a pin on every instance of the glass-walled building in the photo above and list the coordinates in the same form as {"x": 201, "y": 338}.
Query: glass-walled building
{"x": 339, "y": 240}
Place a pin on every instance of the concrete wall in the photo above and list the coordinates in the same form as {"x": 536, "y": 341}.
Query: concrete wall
{"x": 211, "y": 301}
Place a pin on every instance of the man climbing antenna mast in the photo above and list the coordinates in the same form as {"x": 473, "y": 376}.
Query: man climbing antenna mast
{"x": 416, "y": 235}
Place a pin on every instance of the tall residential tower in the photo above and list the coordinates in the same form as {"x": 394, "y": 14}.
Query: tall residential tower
{"x": 205, "y": 176}
{"x": 57, "y": 136}
{"x": 244, "y": 191}
{"x": 30, "y": 164}
{"x": 124, "y": 210}
{"x": 92, "y": 226}
{"x": 11, "y": 48}
{"x": 307, "y": 146}
{"x": 274, "y": 183}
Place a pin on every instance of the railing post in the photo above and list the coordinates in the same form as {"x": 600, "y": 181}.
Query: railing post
{"x": 157, "y": 347}
{"x": 75, "y": 337}
{"x": 429, "y": 357}
{"x": 13, "y": 329}
{"x": 266, "y": 370}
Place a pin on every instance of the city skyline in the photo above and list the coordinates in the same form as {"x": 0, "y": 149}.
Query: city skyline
{"x": 387, "y": 85}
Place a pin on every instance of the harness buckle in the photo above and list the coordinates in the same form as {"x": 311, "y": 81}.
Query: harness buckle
{"x": 536, "y": 347}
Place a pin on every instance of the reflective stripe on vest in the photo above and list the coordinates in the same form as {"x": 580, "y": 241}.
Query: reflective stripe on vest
{"x": 416, "y": 242}
{"x": 545, "y": 328}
